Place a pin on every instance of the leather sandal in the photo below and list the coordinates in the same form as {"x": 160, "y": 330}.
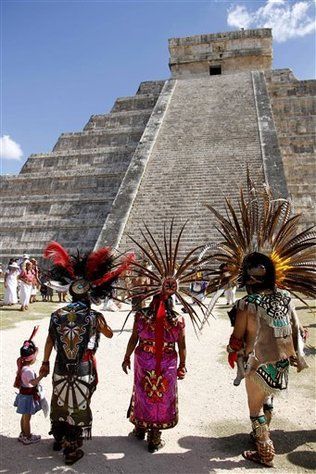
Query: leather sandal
{"x": 254, "y": 457}
{"x": 73, "y": 457}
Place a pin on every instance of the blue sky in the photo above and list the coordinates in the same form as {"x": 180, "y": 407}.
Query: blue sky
{"x": 63, "y": 61}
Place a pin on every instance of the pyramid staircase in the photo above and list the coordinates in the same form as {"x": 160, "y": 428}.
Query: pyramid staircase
{"x": 66, "y": 194}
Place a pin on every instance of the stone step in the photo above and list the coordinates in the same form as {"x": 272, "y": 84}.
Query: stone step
{"x": 136, "y": 102}
{"x": 59, "y": 198}
{"x": 119, "y": 119}
{"x": 201, "y": 159}
{"x": 29, "y": 185}
{"x": 151, "y": 87}
{"x": 48, "y": 222}
{"x": 294, "y": 105}
{"x": 295, "y": 89}
{"x": 50, "y": 209}
{"x": 99, "y": 138}
{"x": 111, "y": 157}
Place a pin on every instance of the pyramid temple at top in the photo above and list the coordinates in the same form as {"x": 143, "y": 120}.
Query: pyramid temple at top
{"x": 166, "y": 151}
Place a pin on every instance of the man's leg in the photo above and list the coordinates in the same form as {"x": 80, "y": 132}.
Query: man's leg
{"x": 72, "y": 441}
{"x": 265, "y": 449}
{"x": 268, "y": 409}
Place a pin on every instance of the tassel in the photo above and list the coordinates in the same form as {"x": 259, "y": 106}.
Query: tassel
{"x": 159, "y": 333}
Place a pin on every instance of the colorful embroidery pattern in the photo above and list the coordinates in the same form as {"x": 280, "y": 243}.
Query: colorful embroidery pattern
{"x": 276, "y": 308}
{"x": 155, "y": 386}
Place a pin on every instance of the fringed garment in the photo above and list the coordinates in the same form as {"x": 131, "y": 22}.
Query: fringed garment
{"x": 268, "y": 363}
{"x": 73, "y": 329}
{"x": 154, "y": 403}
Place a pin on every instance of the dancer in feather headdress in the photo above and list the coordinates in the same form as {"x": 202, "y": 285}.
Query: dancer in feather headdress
{"x": 156, "y": 331}
{"x": 74, "y": 331}
{"x": 266, "y": 254}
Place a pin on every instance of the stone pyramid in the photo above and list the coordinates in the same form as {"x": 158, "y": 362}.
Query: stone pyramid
{"x": 169, "y": 149}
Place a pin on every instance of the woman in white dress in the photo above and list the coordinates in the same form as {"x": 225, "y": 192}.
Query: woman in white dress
{"x": 11, "y": 284}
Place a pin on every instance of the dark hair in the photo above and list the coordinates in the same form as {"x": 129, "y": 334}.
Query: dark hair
{"x": 28, "y": 349}
{"x": 256, "y": 282}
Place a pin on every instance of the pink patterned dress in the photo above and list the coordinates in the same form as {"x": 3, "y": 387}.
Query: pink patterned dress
{"x": 154, "y": 402}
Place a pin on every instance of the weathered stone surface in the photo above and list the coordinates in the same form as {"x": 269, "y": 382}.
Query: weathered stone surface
{"x": 244, "y": 50}
{"x": 169, "y": 149}
{"x": 208, "y": 136}
{"x": 294, "y": 109}
{"x": 67, "y": 194}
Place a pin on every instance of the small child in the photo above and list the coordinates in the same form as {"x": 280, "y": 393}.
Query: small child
{"x": 27, "y": 400}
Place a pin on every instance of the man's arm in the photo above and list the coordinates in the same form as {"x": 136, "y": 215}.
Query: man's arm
{"x": 236, "y": 340}
{"x": 44, "y": 370}
{"x": 103, "y": 327}
{"x": 130, "y": 349}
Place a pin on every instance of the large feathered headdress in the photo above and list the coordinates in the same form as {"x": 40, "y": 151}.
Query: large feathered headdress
{"x": 166, "y": 273}
{"x": 90, "y": 274}
{"x": 265, "y": 225}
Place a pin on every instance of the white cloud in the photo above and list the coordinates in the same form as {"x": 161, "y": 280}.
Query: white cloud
{"x": 9, "y": 149}
{"x": 287, "y": 20}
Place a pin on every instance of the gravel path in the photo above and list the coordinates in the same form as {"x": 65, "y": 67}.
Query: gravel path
{"x": 213, "y": 427}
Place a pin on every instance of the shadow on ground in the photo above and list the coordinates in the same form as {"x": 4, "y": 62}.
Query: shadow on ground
{"x": 122, "y": 454}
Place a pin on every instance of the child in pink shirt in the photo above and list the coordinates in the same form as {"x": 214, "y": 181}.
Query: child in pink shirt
{"x": 27, "y": 400}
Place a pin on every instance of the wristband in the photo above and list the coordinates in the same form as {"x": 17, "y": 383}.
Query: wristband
{"x": 235, "y": 344}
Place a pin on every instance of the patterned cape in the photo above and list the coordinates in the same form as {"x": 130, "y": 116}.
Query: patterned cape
{"x": 73, "y": 329}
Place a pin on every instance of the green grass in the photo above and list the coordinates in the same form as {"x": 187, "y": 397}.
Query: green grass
{"x": 10, "y": 315}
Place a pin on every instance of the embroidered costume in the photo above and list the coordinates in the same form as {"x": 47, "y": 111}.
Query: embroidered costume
{"x": 263, "y": 251}
{"x": 74, "y": 332}
{"x": 157, "y": 331}
{"x": 154, "y": 402}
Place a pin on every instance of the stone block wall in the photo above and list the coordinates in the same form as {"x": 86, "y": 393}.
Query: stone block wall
{"x": 294, "y": 110}
{"x": 66, "y": 195}
{"x": 233, "y": 51}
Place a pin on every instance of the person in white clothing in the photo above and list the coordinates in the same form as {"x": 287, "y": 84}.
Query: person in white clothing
{"x": 11, "y": 284}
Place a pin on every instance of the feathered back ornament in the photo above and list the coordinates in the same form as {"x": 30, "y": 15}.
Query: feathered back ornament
{"x": 92, "y": 273}
{"x": 60, "y": 257}
{"x": 165, "y": 272}
{"x": 265, "y": 225}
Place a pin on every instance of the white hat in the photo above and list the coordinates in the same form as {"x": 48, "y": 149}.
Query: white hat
{"x": 26, "y": 256}
{"x": 14, "y": 265}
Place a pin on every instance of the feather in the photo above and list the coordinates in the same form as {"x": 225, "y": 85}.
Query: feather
{"x": 115, "y": 273}
{"x": 59, "y": 256}
{"x": 96, "y": 260}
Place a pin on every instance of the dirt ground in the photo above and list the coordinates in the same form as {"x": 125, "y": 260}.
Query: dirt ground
{"x": 213, "y": 427}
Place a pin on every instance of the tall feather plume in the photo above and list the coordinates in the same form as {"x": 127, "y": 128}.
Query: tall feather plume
{"x": 60, "y": 257}
{"x": 166, "y": 263}
{"x": 266, "y": 225}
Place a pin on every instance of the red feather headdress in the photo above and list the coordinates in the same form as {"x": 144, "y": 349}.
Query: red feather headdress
{"x": 59, "y": 256}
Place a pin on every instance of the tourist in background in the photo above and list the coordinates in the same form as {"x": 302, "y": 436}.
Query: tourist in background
{"x": 11, "y": 284}
{"x": 26, "y": 279}
{"x": 35, "y": 284}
